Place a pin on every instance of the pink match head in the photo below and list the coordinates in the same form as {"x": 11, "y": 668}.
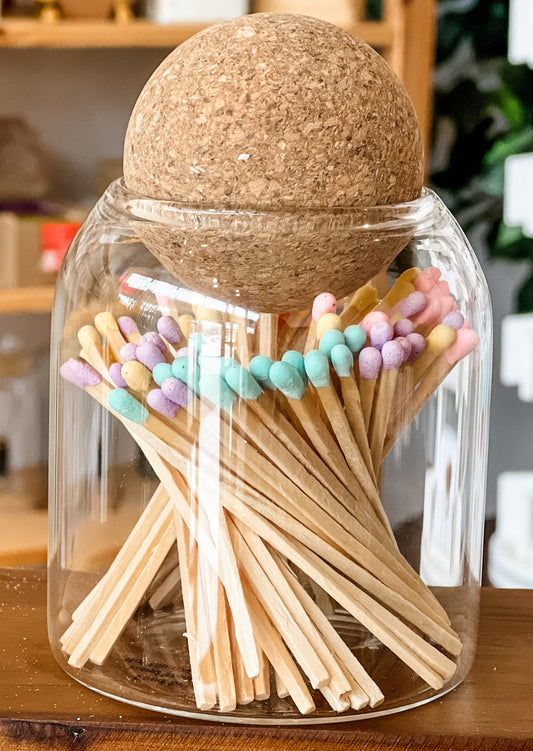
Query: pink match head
{"x": 115, "y": 371}
{"x": 392, "y": 354}
{"x": 430, "y": 315}
{"x": 159, "y": 402}
{"x": 465, "y": 342}
{"x": 418, "y": 345}
{"x": 169, "y": 328}
{"x": 183, "y": 352}
{"x": 413, "y": 304}
{"x": 427, "y": 279}
{"x": 380, "y": 333}
{"x": 403, "y": 327}
{"x": 369, "y": 363}
{"x": 439, "y": 289}
{"x": 406, "y": 345}
{"x": 128, "y": 352}
{"x": 447, "y": 306}
{"x": 154, "y": 338}
{"x": 324, "y": 303}
{"x": 127, "y": 325}
{"x": 149, "y": 355}
{"x": 454, "y": 319}
{"x": 375, "y": 316}
{"x": 80, "y": 373}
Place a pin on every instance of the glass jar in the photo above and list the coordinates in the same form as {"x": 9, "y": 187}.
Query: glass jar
{"x": 267, "y": 516}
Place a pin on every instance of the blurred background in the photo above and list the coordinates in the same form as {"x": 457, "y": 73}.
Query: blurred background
{"x": 70, "y": 73}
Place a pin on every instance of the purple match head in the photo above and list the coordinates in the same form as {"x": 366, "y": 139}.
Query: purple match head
{"x": 418, "y": 345}
{"x": 413, "y": 304}
{"x": 115, "y": 371}
{"x": 159, "y": 402}
{"x": 127, "y": 325}
{"x": 406, "y": 345}
{"x": 380, "y": 333}
{"x": 149, "y": 355}
{"x": 392, "y": 354}
{"x": 182, "y": 352}
{"x": 454, "y": 319}
{"x": 80, "y": 373}
{"x": 153, "y": 338}
{"x": 128, "y": 352}
{"x": 170, "y": 329}
{"x": 375, "y": 316}
{"x": 403, "y": 327}
{"x": 176, "y": 391}
{"x": 369, "y": 363}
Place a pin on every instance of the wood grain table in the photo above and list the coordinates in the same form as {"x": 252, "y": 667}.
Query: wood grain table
{"x": 40, "y": 707}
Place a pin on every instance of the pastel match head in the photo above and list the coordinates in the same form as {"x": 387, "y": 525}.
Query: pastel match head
{"x": 186, "y": 322}
{"x": 160, "y": 403}
{"x": 324, "y": 303}
{"x": 128, "y": 352}
{"x": 413, "y": 304}
{"x": 409, "y": 275}
{"x": 418, "y": 345}
{"x": 80, "y": 373}
{"x": 104, "y": 322}
{"x": 380, "y": 333}
{"x": 447, "y": 306}
{"x": 88, "y": 337}
{"x": 214, "y": 388}
{"x": 127, "y": 326}
{"x": 115, "y": 373}
{"x": 403, "y": 327}
{"x": 260, "y": 369}
{"x": 317, "y": 368}
{"x": 427, "y": 279}
{"x": 369, "y": 363}
{"x": 392, "y": 355}
{"x": 439, "y": 289}
{"x": 125, "y": 404}
{"x": 440, "y": 338}
{"x": 149, "y": 355}
{"x": 176, "y": 391}
{"x": 454, "y": 319}
{"x": 181, "y": 369}
{"x": 182, "y": 352}
{"x": 297, "y": 359}
{"x": 342, "y": 360}
{"x": 137, "y": 376}
{"x": 365, "y": 297}
{"x": 406, "y": 346}
{"x": 355, "y": 338}
{"x": 242, "y": 382}
{"x": 465, "y": 342}
{"x": 375, "y": 316}
{"x": 152, "y": 337}
{"x": 329, "y": 340}
{"x": 327, "y": 322}
{"x": 161, "y": 372}
{"x": 431, "y": 314}
{"x": 286, "y": 378}
{"x": 169, "y": 328}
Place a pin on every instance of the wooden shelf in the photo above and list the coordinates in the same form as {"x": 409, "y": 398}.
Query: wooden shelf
{"x": 20, "y": 33}
{"x": 26, "y": 300}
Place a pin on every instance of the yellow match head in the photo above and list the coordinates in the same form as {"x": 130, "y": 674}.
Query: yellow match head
{"x": 105, "y": 322}
{"x": 440, "y": 338}
{"x": 137, "y": 376}
{"x": 88, "y": 337}
{"x": 409, "y": 275}
{"x": 185, "y": 322}
{"x": 208, "y": 314}
{"x": 327, "y": 322}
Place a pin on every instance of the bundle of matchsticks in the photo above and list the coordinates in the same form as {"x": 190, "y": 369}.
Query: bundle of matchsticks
{"x": 268, "y": 446}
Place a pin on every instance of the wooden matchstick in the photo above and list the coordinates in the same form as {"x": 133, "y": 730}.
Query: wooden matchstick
{"x": 392, "y": 356}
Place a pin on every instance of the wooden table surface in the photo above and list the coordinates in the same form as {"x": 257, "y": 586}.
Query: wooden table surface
{"x": 40, "y": 707}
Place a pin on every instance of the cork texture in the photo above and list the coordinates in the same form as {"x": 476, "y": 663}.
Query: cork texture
{"x": 273, "y": 111}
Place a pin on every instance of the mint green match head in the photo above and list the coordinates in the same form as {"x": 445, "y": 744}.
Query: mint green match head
{"x": 127, "y": 405}
{"x": 215, "y": 388}
{"x": 329, "y": 339}
{"x": 355, "y": 337}
{"x": 317, "y": 368}
{"x": 342, "y": 360}
{"x": 296, "y": 358}
{"x": 242, "y": 382}
{"x": 286, "y": 378}
{"x": 260, "y": 368}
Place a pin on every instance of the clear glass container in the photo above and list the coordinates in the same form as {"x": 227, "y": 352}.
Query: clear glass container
{"x": 267, "y": 517}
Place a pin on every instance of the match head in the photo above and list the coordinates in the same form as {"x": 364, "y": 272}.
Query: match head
{"x": 176, "y": 391}
{"x": 392, "y": 354}
{"x": 286, "y": 378}
{"x": 413, "y": 304}
{"x": 375, "y": 316}
{"x": 214, "y": 388}
{"x": 370, "y": 363}
{"x": 342, "y": 360}
{"x": 380, "y": 333}
{"x": 242, "y": 382}
{"x": 430, "y": 315}
{"x": 418, "y": 345}
{"x": 170, "y": 329}
{"x": 260, "y": 368}
{"x": 454, "y": 319}
{"x": 440, "y": 338}
{"x": 115, "y": 372}
{"x": 161, "y": 372}
{"x": 327, "y": 322}
{"x": 296, "y": 358}
{"x": 88, "y": 337}
{"x": 151, "y": 337}
{"x": 125, "y": 404}
{"x": 466, "y": 341}
{"x": 105, "y": 322}
{"x": 329, "y": 340}
{"x": 149, "y": 354}
{"x": 355, "y": 338}
{"x": 80, "y": 373}
{"x": 427, "y": 279}
{"x": 128, "y": 352}
{"x": 137, "y": 376}
{"x": 317, "y": 368}
{"x": 160, "y": 403}
{"x": 127, "y": 326}
{"x": 406, "y": 346}
{"x": 182, "y": 352}
{"x": 324, "y": 303}
{"x": 403, "y": 327}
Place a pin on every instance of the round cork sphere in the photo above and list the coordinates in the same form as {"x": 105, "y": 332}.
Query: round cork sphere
{"x": 273, "y": 111}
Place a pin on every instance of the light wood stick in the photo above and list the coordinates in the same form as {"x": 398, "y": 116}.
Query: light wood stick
{"x": 281, "y": 689}
{"x": 262, "y": 681}
{"x": 220, "y": 638}
{"x": 380, "y": 413}
{"x": 165, "y": 591}
{"x": 107, "y": 326}
{"x": 268, "y": 335}
{"x": 244, "y": 685}
{"x": 354, "y": 412}
{"x": 361, "y": 303}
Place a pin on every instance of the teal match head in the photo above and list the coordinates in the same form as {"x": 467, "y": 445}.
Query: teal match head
{"x": 161, "y": 372}
{"x": 296, "y": 358}
{"x": 186, "y": 370}
{"x": 342, "y": 360}
{"x": 215, "y": 388}
{"x": 317, "y": 368}
{"x": 355, "y": 337}
{"x": 260, "y": 368}
{"x": 242, "y": 382}
{"x": 286, "y": 378}
{"x": 127, "y": 405}
{"x": 329, "y": 339}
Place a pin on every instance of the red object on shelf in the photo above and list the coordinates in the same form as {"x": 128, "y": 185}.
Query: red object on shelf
{"x": 55, "y": 240}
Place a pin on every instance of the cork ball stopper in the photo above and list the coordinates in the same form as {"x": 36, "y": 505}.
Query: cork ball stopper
{"x": 273, "y": 111}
